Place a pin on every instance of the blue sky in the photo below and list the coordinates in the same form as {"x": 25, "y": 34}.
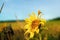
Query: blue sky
{"x": 21, "y": 8}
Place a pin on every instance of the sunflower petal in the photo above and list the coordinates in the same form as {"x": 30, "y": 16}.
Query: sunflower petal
{"x": 31, "y": 34}
{"x": 37, "y": 30}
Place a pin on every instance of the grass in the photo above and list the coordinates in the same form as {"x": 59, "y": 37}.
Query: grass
{"x": 53, "y": 29}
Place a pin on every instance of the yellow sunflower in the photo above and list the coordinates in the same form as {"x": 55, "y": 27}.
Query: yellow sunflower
{"x": 32, "y": 24}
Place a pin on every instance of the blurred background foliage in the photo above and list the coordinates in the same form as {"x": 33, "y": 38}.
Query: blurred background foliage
{"x": 53, "y": 26}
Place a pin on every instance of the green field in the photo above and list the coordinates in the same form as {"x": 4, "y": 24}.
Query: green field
{"x": 53, "y": 29}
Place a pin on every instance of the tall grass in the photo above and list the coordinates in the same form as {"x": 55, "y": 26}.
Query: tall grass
{"x": 53, "y": 29}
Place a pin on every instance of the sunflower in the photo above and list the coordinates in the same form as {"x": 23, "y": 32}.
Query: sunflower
{"x": 32, "y": 24}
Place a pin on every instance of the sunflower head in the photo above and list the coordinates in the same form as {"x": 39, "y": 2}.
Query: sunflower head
{"x": 35, "y": 23}
{"x": 32, "y": 24}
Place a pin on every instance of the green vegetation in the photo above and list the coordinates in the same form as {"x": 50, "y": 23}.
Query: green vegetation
{"x": 10, "y": 21}
{"x": 53, "y": 29}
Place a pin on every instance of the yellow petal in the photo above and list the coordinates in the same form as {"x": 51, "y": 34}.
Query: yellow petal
{"x": 42, "y": 23}
{"x": 33, "y": 17}
{"x": 27, "y": 20}
{"x": 27, "y": 31}
{"x": 43, "y": 20}
{"x": 31, "y": 34}
{"x": 37, "y": 30}
{"x": 27, "y": 26}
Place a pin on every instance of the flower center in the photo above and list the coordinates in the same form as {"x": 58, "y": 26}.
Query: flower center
{"x": 35, "y": 23}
